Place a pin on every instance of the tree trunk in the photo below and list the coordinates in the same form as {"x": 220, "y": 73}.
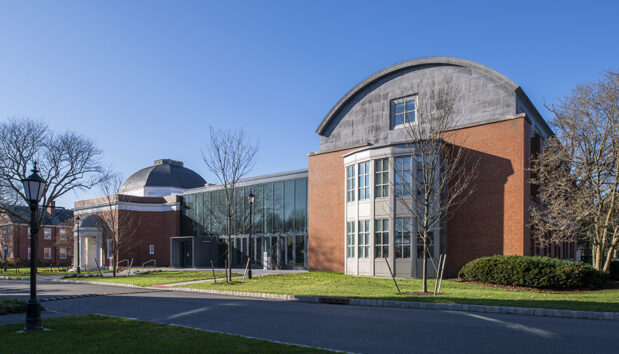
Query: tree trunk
{"x": 425, "y": 268}
{"x": 229, "y": 255}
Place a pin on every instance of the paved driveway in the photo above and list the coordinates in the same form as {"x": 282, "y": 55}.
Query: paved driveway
{"x": 349, "y": 328}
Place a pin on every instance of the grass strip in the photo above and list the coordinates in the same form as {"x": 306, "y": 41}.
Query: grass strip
{"x": 340, "y": 285}
{"x": 157, "y": 278}
{"x": 101, "y": 334}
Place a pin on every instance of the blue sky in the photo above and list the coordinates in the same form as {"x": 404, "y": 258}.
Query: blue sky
{"x": 145, "y": 79}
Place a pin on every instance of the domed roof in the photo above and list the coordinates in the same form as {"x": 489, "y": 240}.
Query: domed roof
{"x": 164, "y": 173}
{"x": 91, "y": 220}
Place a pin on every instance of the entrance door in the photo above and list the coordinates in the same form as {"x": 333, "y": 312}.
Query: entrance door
{"x": 187, "y": 258}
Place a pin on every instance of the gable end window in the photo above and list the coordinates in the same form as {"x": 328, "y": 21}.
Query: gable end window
{"x": 403, "y": 111}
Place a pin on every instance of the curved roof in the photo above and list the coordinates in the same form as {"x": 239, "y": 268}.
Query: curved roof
{"x": 91, "y": 220}
{"x": 164, "y": 173}
{"x": 407, "y": 65}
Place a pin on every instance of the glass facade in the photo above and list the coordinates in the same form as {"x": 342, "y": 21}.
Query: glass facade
{"x": 279, "y": 222}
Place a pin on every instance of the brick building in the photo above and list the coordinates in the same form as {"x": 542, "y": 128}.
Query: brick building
{"x": 55, "y": 236}
{"x": 341, "y": 213}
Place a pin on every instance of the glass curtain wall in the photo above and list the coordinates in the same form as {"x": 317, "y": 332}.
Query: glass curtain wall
{"x": 279, "y": 225}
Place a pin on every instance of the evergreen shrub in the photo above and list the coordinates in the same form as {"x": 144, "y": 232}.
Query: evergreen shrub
{"x": 533, "y": 272}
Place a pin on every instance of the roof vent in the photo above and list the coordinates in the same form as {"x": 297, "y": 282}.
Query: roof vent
{"x": 169, "y": 162}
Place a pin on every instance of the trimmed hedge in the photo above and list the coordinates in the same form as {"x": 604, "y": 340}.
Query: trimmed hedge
{"x": 533, "y": 272}
{"x": 614, "y": 270}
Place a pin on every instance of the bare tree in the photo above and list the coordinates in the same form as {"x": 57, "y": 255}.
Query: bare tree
{"x": 439, "y": 177}
{"x": 67, "y": 162}
{"x": 578, "y": 171}
{"x": 121, "y": 227}
{"x": 229, "y": 156}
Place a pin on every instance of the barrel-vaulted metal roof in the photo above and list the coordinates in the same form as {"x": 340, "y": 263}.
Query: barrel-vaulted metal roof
{"x": 164, "y": 173}
{"x": 405, "y": 65}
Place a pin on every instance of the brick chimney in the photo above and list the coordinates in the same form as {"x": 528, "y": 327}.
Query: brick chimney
{"x": 51, "y": 209}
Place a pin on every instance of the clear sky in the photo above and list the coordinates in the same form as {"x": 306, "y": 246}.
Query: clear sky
{"x": 145, "y": 79}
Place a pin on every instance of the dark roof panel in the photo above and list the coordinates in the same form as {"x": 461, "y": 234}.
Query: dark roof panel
{"x": 164, "y": 173}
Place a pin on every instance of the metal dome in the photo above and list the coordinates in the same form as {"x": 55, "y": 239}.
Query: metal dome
{"x": 164, "y": 173}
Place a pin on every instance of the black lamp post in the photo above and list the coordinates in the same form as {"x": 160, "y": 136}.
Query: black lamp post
{"x": 77, "y": 220}
{"x": 34, "y": 188}
{"x": 251, "y": 197}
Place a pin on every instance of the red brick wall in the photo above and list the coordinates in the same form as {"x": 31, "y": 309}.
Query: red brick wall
{"x": 140, "y": 229}
{"x": 21, "y": 243}
{"x": 325, "y": 219}
{"x": 493, "y": 220}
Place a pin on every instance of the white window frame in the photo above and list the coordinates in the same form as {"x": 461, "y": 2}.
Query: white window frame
{"x": 350, "y": 183}
{"x": 404, "y": 225}
{"x": 381, "y": 178}
{"x": 47, "y": 233}
{"x": 62, "y": 253}
{"x": 381, "y": 238}
{"x": 47, "y": 253}
{"x": 364, "y": 238}
{"x": 350, "y": 239}
{"x": 62, "y": 234}
{"x": 405, "y": 114}
{"x": 364, "y": 180}
{"x": 404, "y": 174}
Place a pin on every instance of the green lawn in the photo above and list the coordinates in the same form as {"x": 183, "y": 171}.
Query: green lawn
{"x": 8, "y": 305}
{"x": 157, "y": 278}
{"x": 100, "y": 334}
{"x": 335, "y": 284}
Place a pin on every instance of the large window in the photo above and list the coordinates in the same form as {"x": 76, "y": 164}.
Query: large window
{"x": 381, "y": 178}
{"x": 62, "y": 252}
{"x": 350, "y": 239}
{"x": 429, "y": 245}
{"x": 364, "y": 238}
{"x": 403, "y": 111}
{"x": 108, "y": 248}
{"x": 403, "y": 237}
{"x": 403, "y": 175}
{"x": 47, "y": 233}
{"x": 364, "y": 180}
{"x": 350, "y": 183}
{"x": 62, "y": 236}
{"x": 47, "y": 253}
{"x": 381, "y": 238}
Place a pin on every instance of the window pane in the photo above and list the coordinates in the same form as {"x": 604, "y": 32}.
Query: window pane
{"x": 410, "y": 105}
{"x": 300, "y": 204}
{"x": 399, "y": 108}
{"x": 278, "y": 207}
{"x": 289, "y": 205}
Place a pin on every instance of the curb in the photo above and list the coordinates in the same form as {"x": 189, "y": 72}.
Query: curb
{"x": 101, "y": 283}
{"x": 538, "y": 312}
{"x": 10, "y": 277}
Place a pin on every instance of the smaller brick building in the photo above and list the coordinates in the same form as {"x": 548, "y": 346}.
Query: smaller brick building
{"x": 55, "y": 237}
{"x": 141, "y": 218}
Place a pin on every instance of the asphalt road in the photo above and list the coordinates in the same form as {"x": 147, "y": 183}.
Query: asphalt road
{"x": 348, "y": 328}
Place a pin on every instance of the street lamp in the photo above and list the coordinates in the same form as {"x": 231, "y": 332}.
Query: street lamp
{"x": 251, "y": 197}
{"x": 77, "y": 220}
{"x": 34, "y": 188}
